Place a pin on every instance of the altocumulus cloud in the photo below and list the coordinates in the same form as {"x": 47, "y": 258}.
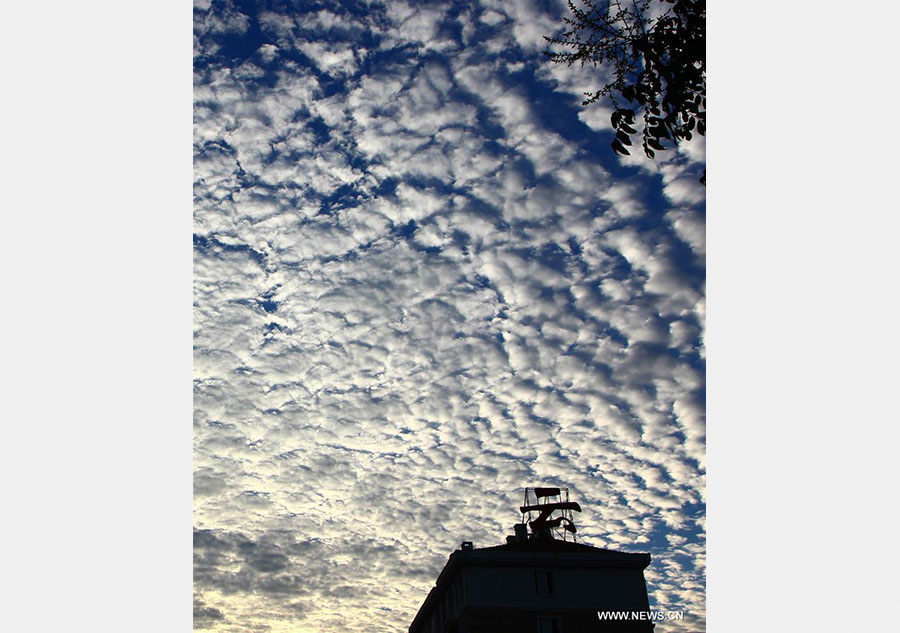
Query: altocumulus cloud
{"x": 422, "y": 281}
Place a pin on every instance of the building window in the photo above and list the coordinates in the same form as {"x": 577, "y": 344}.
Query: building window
{"x": 549, "y": 625}
{"x": 544, "y": 583}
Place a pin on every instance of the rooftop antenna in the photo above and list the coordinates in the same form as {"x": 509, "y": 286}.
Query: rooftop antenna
{"x": 538, "y": 508}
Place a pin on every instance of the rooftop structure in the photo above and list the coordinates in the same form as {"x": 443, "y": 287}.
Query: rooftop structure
{"x": 540, "y": 581}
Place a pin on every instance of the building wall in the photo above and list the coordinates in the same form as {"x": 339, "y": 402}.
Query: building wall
{"x": 594, "y": 588}
{"x": 527, "y": 621}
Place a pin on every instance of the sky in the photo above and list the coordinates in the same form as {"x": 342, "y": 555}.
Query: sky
{"x": 423, "y": 281}
{"x": 801, "y": 339}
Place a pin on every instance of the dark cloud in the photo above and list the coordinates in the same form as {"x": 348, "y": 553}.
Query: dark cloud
{"x": 204, "y": 616}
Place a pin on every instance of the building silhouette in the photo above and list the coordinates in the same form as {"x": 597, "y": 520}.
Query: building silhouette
{"x": 540, "y": 581}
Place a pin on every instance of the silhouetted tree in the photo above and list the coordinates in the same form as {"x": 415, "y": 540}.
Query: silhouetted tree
{"x": 655, "y": 52}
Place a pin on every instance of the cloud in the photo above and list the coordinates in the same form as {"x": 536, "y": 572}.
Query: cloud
{"x": 418, "y": 288}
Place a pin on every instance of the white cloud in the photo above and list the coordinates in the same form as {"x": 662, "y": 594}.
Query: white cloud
{"x": 413, "y": 297}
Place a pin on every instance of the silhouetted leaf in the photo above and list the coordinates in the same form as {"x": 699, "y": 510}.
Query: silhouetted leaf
{"x": 623, "y": 137}
{"x": 619, "y": 148}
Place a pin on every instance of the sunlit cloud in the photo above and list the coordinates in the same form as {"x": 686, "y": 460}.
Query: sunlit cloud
{"x": 422, "y": 281}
